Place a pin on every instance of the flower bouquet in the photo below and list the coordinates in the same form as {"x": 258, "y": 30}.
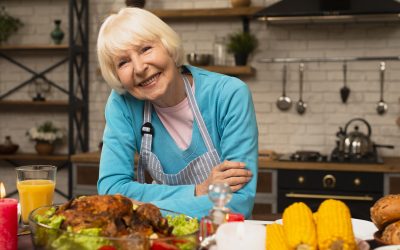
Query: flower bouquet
{"x": 45, "y": 136}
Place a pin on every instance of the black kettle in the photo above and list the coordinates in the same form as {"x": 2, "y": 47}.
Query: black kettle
{"x": 355, "y": 143}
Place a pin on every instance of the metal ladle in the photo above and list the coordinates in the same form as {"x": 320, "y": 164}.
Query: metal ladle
{"x": 382, "y": 107}
{"x": 301, "y": 106}
{"x": 284, "y": 103}
{"x": 344, "y": 91}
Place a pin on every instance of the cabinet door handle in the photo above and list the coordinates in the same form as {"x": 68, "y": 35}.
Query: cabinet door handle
{"x": 324, "y": 196}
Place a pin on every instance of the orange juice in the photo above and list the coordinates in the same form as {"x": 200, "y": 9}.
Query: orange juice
{"x": 34, "y": 194}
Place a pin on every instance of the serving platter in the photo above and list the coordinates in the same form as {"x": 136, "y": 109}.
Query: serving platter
{"x": 363, "y": 229}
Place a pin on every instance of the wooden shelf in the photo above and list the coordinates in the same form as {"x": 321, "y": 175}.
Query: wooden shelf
{"x": 212, "y": 12}
{"x": 45, "y": 106}
{"x": 231, "y": 70}
{"x": 34, "y": 157}
{"x": 33, "y": 47}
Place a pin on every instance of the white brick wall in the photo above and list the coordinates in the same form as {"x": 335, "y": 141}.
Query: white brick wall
{"x": 280, "y": 131}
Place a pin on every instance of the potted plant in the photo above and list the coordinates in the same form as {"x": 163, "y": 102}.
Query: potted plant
{"x": 8, "y": 25}
{"x": 241, "y": 44}
{"x": 45, "y": 135}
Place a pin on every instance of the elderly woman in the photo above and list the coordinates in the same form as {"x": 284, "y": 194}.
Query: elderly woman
{"x": 190, "y": 127}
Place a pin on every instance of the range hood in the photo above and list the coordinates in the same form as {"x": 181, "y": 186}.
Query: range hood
{"x": 319, "y": 11}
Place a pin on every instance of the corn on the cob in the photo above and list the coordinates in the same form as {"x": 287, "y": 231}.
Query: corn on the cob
{"x": 276, "y": 237}
{"x": 299, "y": 227}
{"x": 334, "y": 228}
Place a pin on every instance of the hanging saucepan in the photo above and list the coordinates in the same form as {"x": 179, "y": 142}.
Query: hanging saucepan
{"x": 359, "y": 144}
{"x": 284, "y": 103}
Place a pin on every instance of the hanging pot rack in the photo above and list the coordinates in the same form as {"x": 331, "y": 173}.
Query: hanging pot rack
{"x": 328, "y": 59}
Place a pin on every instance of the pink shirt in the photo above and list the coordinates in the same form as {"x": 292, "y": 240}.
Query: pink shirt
{"x": 178, "y": 120}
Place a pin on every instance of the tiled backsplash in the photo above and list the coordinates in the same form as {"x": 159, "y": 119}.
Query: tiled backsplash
{"x": 279, "y": 131}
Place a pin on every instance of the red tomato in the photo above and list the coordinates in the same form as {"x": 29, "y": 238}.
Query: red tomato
{"x": 231, "y": 217}
{"x": 107, "y": 248}
{"x": 160, "y": 245}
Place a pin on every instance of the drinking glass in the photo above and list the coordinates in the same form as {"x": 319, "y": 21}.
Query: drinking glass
{"x": 36, "y": 185}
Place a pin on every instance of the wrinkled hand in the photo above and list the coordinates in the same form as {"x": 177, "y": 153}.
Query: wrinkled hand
{"x": 231, "y": 172}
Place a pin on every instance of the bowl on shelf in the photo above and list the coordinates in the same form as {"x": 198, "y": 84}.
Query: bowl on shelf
{"x": 8, "y": 149}
{"x": 46, "y": 238}
{"x": 198, "y": 59}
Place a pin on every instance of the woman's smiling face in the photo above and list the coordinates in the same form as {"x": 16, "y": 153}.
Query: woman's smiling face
{"x": 148, "y": 72}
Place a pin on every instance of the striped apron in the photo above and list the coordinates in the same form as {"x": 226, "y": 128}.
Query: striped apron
{"x": 196, "y": 171}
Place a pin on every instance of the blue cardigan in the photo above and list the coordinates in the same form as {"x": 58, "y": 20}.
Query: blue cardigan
{"x": 227, "y": 108}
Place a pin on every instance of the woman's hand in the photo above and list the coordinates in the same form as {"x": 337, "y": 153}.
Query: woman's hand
{"x": 231, "y": 172}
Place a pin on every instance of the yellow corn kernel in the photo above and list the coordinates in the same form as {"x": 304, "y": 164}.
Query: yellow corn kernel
{"x": 334, "y": 228}
{"x": 275, "y": 237}
{"x": 299, "y": 227}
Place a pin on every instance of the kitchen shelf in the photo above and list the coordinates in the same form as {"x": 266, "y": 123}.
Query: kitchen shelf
{"x": 245, "y": 13}
{"x": 44, "y": 106}
{"x": 231, "y": 70}
{"x": 34, "y": 47}
{"x": 34, "y": 157}
{"x": 227, "y": 70}
{"x": 212, "y": 12}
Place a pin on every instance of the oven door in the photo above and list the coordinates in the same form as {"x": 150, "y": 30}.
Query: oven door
{"x": 358, "y": 190}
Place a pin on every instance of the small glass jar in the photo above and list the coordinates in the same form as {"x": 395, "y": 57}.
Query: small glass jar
{"x": 220, "y": 51}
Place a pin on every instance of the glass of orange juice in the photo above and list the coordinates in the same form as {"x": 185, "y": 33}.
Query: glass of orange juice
{"x": 36, "y": 185}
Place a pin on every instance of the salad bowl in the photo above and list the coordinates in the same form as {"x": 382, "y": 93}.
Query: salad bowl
{"x": 47, "y": 235}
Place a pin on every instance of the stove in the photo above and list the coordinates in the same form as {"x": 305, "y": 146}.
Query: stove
{"x": 306, "y": 156}
{"x": 315, "y": 156}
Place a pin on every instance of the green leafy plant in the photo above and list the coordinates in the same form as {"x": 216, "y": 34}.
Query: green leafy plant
{"x": 8, "y": 25}
{"x": 241, "y": 43}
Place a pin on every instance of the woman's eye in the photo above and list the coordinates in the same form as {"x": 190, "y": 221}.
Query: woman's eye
{"x": 145, "y": 48}
{"x": 121, "y": 63}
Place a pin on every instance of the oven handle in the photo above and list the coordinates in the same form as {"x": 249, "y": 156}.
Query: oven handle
{"x": 337, "y": 197}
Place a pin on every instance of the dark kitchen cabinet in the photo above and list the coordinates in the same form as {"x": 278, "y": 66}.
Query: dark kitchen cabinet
{"x": 266, "y": 196}
{"x": 392, "y": 184}
{"x": 359, "y": 190}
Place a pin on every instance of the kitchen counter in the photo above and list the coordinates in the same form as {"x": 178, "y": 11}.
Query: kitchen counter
{"x": 390, "y": 165}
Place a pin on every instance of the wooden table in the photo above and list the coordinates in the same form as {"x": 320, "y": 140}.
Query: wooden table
{"x": 25, "y": 241}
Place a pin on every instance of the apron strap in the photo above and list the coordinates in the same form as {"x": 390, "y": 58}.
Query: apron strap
{"x": 147, "y": 137}
{"x": 197, "y": 115}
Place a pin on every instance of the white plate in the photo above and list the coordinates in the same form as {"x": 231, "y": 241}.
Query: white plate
{"x": 363, "y": 229}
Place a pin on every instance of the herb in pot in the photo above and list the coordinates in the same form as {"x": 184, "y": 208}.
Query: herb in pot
{"x": 8, "y": 25}
{"x": 241, "y": 44}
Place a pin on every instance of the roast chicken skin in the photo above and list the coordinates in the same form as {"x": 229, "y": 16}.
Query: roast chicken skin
{"x": 115, "y": 216}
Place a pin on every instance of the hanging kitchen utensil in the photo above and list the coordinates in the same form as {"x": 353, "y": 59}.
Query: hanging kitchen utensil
{"x": 382, "y": 107}
{"x": 344, "y": 91}
{"x": 301, "y": 106}
{"x": 284, "y": 103}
